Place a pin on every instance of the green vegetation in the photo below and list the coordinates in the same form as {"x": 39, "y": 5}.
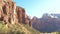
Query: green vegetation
{"x": 32, "y": 30}
{"x": 17, "y": 29}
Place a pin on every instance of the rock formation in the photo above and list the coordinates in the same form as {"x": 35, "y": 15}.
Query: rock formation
{"x": 10, "y": 13}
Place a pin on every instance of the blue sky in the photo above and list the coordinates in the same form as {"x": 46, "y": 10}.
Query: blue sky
{"x": 39, "y": 7}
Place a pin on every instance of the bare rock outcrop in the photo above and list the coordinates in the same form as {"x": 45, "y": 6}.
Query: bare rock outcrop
{"x": 10, "y": 13}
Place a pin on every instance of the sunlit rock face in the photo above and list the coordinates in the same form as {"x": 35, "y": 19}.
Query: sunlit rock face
{"x": 6, "y": 0}
{"x": 10, "y": 13}
{"x": 21, "y": 16}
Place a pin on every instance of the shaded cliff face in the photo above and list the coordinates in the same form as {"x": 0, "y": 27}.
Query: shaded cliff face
{"x": 10, "y": 13}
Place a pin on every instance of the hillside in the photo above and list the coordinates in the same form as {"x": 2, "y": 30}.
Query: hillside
{"x": 17, "y": 29}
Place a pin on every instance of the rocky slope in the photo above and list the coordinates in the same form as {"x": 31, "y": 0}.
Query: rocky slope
{"x": 17, "y": 29}
{"x": 13, "y": 19}
{"x": 10, "y": 13}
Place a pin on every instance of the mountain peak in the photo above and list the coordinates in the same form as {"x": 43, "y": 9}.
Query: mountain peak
{"x": 51, "y": 15}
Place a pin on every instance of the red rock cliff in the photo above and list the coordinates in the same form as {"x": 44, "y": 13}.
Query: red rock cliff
{"x": 10, "y": 13}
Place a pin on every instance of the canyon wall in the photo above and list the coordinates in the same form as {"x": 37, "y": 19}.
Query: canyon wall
{"x": 10, "y": 13}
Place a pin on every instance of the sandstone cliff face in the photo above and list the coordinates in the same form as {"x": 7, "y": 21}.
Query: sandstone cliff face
{"x": 10, "y": 13}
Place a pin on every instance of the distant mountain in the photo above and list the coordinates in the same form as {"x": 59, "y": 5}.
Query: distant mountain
{"x": 48, "y": 23}
{"x": 51, "y": 15}
{"x": 58, "y": 15}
